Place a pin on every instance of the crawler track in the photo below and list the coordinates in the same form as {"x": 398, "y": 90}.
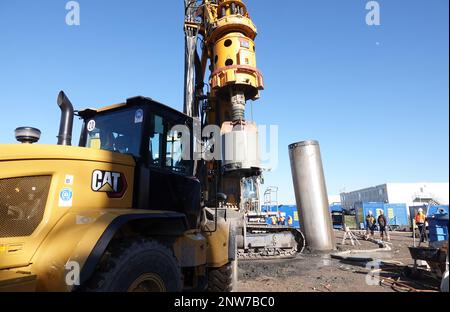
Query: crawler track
{"x": 269, "y": 253}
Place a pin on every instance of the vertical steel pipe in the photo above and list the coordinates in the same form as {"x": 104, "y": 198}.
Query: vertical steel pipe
{"x": 311, "y": 195}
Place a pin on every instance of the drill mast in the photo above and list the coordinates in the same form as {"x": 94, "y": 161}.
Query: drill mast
{"x": 220, "y": 38}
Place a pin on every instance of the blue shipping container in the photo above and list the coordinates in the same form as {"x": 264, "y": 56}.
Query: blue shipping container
{"x": 362, "y": 210}
{"x": 396, "y": 214}
{"x": 438, "y": 223}
{"x": 432, "y": 210}
{"x": 438, "y": 232}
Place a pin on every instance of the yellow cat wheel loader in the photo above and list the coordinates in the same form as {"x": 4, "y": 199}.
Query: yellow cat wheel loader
{"x": 120, "y": 212}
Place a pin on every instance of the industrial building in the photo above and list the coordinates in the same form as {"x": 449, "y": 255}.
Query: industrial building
{"x": 412, "y": 194}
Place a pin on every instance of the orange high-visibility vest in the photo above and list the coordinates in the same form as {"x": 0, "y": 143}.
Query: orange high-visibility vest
{"x": 290, "y": 220}
{"x": 420, "y": 218}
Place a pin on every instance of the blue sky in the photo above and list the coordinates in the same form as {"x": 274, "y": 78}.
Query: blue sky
{"x": 375, "y": 97}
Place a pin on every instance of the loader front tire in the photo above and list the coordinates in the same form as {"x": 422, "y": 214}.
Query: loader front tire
{"x": 137, "y": 266}
{"x": 223, "y": 279}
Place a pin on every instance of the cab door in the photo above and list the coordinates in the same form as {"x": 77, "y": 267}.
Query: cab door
{"x": 169, "y": 180}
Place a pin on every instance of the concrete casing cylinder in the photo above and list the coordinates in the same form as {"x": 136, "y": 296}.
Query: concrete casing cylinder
{"x": 311, "y": 195}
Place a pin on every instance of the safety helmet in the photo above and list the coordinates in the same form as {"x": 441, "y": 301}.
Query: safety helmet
{"x": 370, "y": 212}
{"x": 420, "y": 210}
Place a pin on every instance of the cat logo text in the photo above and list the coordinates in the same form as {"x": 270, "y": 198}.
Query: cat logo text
{"x": 112, "y": 183}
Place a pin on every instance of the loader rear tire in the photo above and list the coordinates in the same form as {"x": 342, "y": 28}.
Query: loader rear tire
{"x": 223, "y": 279}
{"x": 137, "y": 266}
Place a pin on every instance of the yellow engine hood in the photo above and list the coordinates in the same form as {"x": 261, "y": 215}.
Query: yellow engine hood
{"x": 70, "y": 171}
{"x": 10, "y": 152}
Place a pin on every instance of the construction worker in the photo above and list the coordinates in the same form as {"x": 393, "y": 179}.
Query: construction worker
{"x": 106, "y": 139}
{"x": 420, "y": 221}
{"x": 282, "y": 219}
{"x": 274, "y": 220}
{"x": 370, "y": 225}
{"x": 382, "y": 223}
{"x": 290, "y": 221}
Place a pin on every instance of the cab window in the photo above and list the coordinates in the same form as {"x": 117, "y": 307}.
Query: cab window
{"x": 168, "y": 146}
{"x": 156, "y": 140}
{"x": 174, "y": 152}
{"x": 116, "y": 131}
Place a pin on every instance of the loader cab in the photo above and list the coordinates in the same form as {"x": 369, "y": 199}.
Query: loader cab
{"x": 159, "y": 139}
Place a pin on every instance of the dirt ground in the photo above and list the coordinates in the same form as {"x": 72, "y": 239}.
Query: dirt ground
{"x": 310, "y": 272}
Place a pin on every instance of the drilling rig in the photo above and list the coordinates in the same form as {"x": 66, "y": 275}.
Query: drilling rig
{"x": 220, "y": 37}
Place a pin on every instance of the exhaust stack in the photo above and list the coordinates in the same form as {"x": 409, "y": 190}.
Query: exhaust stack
{"x": 311, "y": 195}
{"x": 66, "y": 122}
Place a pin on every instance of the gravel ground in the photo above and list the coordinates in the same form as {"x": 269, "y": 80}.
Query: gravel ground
{"x": 311, "y": 272}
